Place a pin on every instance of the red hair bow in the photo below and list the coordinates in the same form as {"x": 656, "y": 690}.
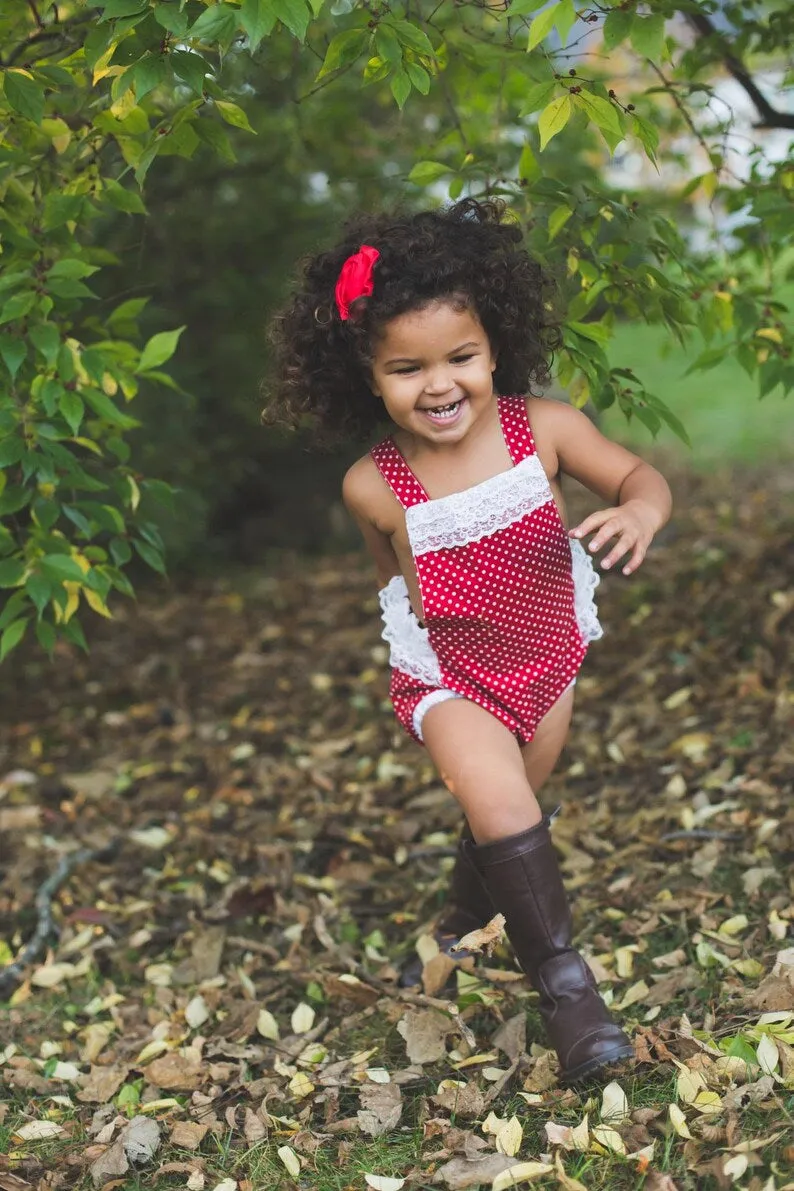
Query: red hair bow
{"x": 355, "y": 279}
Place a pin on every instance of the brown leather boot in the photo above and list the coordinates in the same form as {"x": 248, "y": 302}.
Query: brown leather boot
{"x": 523, "y": 878}
{"x": 466, "y": 908}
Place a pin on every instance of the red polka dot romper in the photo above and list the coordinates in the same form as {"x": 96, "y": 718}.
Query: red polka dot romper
{"x": 507, "y": 597}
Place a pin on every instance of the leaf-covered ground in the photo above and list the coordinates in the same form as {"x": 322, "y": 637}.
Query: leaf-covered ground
{"x": 219, "y": 1009}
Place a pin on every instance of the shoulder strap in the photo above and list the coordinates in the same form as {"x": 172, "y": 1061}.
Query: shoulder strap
{"x": 515, "y": 427}
{"x": 392, "y": 466}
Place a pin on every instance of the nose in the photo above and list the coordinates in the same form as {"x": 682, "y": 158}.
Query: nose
{"x": 439, "y": 382}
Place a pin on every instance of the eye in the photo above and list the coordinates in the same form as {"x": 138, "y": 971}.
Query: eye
{"x": 404, "y": 371}
{"x": 463, "y": 359}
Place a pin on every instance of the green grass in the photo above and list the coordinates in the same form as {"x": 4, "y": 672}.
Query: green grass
{"x": 720, "y": 409}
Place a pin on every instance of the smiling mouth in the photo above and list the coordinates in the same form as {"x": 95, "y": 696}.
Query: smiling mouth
{"x": 441, "y": 413}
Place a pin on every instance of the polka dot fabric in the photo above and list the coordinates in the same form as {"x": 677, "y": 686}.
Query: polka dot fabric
{"x": 499, "y": 609}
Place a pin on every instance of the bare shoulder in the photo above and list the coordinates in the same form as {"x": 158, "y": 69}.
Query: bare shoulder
{"x": 569, "y": 443}
{"x": 366, "y": 495}
{"x": 551, "y": 425}
{"x": 553, "y": 418}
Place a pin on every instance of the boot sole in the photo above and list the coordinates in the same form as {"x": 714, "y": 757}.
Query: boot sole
{"x": 584, "y": 1070}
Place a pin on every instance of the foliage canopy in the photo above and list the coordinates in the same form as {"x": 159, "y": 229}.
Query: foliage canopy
{"x": 566, "y": 112}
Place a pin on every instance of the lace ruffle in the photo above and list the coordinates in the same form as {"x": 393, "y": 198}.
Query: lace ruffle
{"x": 409, "y": 644}
{"x": 585, "y": 580}
{"x": 477, "y": 512}
{"x": 430, "y": 700}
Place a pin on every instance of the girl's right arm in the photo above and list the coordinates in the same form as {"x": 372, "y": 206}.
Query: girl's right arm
{"x": 360, "y": 496}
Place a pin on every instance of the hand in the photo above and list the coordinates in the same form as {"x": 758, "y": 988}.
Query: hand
{"x": 633, "y": 524}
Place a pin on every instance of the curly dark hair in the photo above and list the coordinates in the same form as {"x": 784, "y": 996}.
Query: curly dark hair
{"x": 468, "y": 252}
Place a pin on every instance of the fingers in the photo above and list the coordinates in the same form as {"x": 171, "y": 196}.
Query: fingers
{"x": 594, "y": 521}
{"x": 637, "y": 556}
{"x": 608, "y": 524}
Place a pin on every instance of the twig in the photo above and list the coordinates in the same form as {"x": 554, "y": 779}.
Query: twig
{"x": 770, "y": 117}
{"x": 12, "y": 974}
{"x": 701, "y": 833}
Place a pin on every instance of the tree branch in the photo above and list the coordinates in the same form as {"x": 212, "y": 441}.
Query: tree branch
{"x": 769, "y": 117}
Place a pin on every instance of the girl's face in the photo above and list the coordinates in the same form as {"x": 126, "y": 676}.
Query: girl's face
{"x": 433, "y": 369}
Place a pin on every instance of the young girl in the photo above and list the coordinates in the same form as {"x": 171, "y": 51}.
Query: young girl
{"x": 437, "y": 321}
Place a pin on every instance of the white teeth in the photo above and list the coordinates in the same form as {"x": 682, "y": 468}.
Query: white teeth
{"x": 444, "y": 411}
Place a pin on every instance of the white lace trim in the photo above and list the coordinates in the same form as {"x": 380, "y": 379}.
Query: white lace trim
{"x": 477, "y": 512}
{"x": 409, "y": 644}
{"x": 585, "y": 580}
{"x": 428, "y": 701}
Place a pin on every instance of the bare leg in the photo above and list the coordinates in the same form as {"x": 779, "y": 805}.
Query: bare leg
{"x": 463, "y": 763}
{"x": 543, "y": 751}
{"x": 480, "y": 763}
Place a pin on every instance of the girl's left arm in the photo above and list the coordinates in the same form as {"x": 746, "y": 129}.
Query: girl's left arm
{"x": 639, "y": 497}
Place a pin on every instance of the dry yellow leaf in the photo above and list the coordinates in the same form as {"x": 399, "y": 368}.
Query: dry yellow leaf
{"x": 302, "y": 1018}
{"x": 523, "y": 1172}
{"x": 484, "y": 938}
{"x": 678, "y": 1121}
{"x": 509, "y": 1137}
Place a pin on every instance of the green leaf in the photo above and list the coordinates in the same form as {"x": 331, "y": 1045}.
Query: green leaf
{"x": 343, "y": 49}
{"x": 541, "y": 26}
{"x": 191, "y": 68}
{"x": 24, "y": 94}
{"x": 121, "y": 8}
{"x": 233, "y": 115}
{"x": 536, "y": 97}
{"x": 419, "y": 77}
{"x": 211, "y": 132}
{"x": 554, "y": 118}
{"x": 13, "y": 351}
{"x": 617, "y": 27}
{"x": 647, "y": 35}
{"x": 152, "y": 557}
{"x": 216, "y": 23}
{"x": 12, "y": 637}
{"x": 425, "y": 172}
{"x": 65, "y": 287}
{"x": 46, "y": 636}
{"x": 566, "y": 17}
{"x": 71, "y": 266}
{"x": 73, "y": 632}
{"x": 39, "y": 589}
{"x": 294, "y": 14}
{"x": 72, "y": 408}
{"x": 11, "y": 572}
{"x": 160, "y": 348}
{"x": 12, "y": 450}
{"x": 388, "y": 46}
{"x": 557, "y": 220}
{"x": 12, "y": 608}
{"x": 413, "y": 38}
{"x": 598, "y": 332}
{"x": 169, "y": 17}
{"x": 149, "y": 72}
{"x": 17, "y": 307}
{"x": 528, "y": 168}
{"x": 61, "y": 568}
{"x": 601, "y": 111}
{"x": 400, "y": 88}
{"x": 518, "y": 8}
{"x": 648, "y": 136}
{"x": 103, "y": 407}
{"x": 257, "y": 19}
{"x": 123, "y": 199}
